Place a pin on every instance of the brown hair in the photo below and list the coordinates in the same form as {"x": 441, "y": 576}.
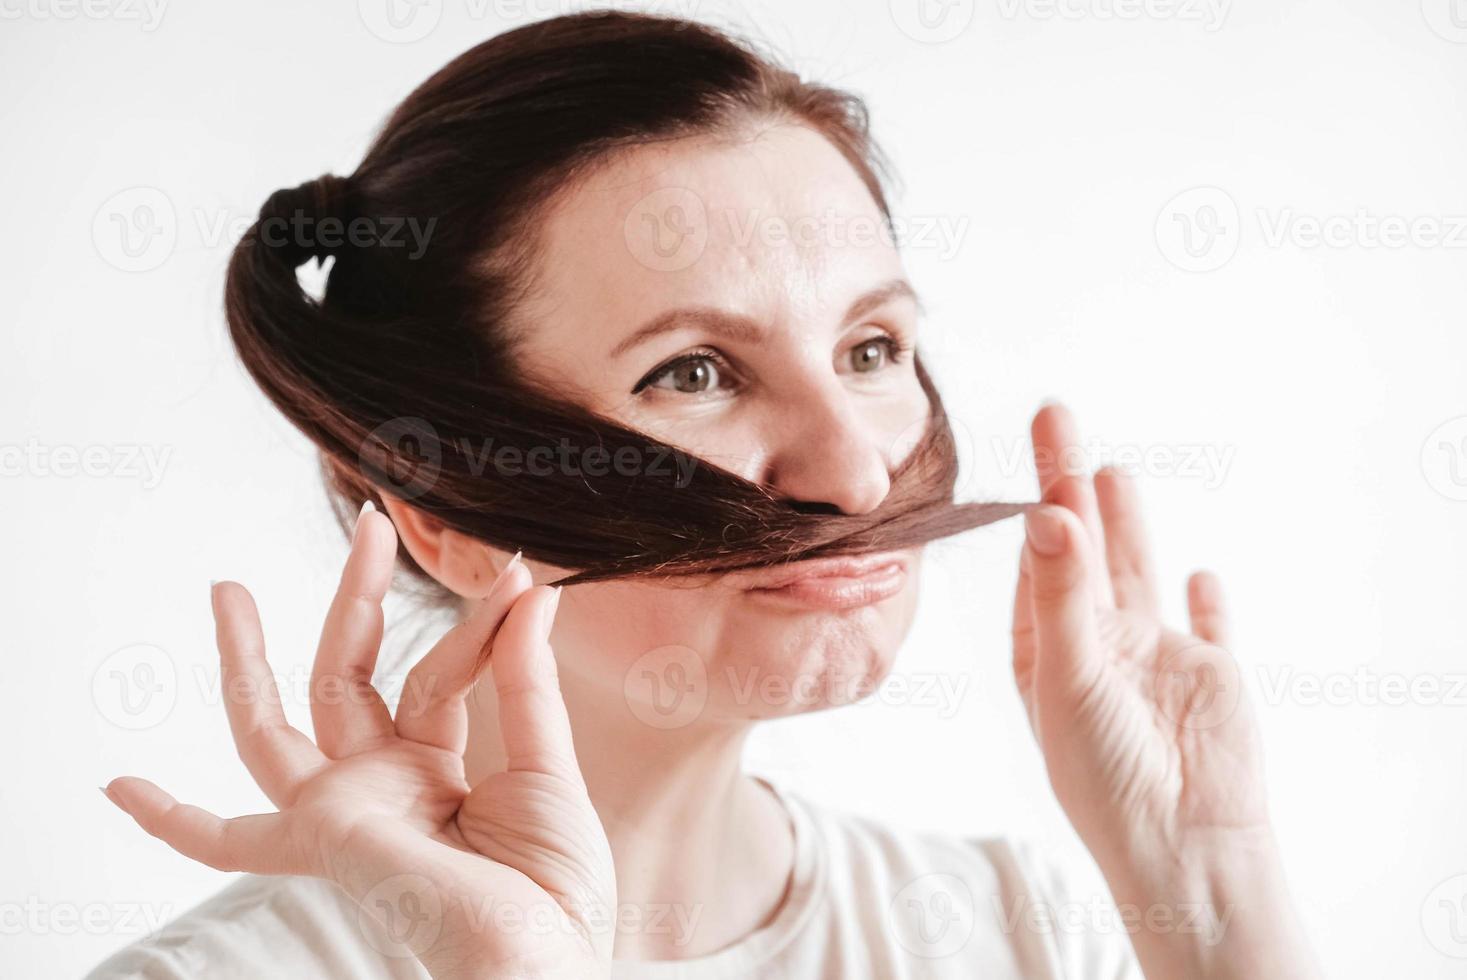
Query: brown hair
{"x": 402, "y": 374}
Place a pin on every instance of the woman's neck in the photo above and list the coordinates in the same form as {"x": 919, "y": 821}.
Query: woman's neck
{"x": 703, "y": 852}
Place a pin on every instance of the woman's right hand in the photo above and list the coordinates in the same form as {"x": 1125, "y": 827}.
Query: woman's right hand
{"x": 510, "y": 878}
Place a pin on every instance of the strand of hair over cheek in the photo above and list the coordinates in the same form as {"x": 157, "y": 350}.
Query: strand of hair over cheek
{"x": 650, "y": 523}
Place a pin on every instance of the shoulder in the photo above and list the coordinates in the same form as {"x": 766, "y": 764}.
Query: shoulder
{"x": 265, "y": 926}
{"x": 1001, "y": 902}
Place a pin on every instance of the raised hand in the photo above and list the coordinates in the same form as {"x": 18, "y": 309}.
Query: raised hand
{"x": 1147, "y": 735}
{"x": 380, "y": 805}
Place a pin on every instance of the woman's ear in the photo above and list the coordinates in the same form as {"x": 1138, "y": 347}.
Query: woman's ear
{"x": 464, "y": 565}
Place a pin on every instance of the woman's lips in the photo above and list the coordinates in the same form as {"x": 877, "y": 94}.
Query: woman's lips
{"x": 833, "y": 583}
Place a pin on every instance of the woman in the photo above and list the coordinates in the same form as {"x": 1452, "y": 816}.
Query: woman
{"x": 596, "y": 284}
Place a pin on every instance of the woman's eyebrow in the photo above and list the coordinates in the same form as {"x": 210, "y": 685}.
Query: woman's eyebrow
{"x": 737, "y": 327}
{"x": 734, "y": 326}
{"x": 874, "y": 299}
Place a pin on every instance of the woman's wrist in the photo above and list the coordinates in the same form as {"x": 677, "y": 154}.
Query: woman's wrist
{"x": 1215, "y": 909}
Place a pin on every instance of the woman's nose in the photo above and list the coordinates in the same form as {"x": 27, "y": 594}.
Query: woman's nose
{"x": 828, "y": 453}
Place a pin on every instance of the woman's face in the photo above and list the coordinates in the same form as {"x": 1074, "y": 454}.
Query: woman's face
{"x": 736, "y": 298}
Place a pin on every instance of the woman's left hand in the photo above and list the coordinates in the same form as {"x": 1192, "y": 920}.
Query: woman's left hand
{"x": 1146, "y": 732}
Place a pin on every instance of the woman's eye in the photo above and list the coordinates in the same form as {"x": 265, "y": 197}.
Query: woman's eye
{"x": 872, "y": 355}
{"x": 690, "y": 376}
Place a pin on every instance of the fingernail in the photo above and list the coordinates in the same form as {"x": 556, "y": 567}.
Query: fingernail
{"x": 1209, "y": 592}
{"x": 1046, "y": 531}
{"x": 367, "y": 508}
{"x": 502, "y": 577}
{"x": 550, "y": 608}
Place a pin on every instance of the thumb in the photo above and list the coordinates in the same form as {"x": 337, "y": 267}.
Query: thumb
{"x": 1067, "y": 656}
{"x": 533, "y": 722}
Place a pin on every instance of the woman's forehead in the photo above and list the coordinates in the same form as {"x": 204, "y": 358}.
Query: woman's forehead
{"x": 775, "y": 223}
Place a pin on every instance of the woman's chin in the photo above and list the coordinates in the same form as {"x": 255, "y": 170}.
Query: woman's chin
{"x": 742, "y": 657}
{"x": 821, "y": 660}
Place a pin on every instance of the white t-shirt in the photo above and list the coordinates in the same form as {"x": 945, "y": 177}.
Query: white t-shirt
{"x": 865, "y": 901}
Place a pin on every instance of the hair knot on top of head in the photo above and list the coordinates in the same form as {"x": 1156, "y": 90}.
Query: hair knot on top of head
{"x": 309, "y": 221}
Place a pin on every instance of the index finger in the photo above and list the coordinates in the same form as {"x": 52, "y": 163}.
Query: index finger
{"x": 432, "y": 709}
{"x": 1064, "y": 480}
{"x": 278, "y": 756}
{"x": 346, "y": 709}
{"x": 533, "y": 723}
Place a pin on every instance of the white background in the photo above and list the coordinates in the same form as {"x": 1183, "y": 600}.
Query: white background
{"x": 1042, "y": 149}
